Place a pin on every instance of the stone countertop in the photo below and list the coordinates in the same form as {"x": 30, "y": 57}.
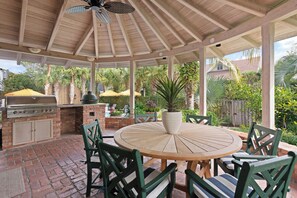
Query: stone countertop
{"x": 79, "y": 105}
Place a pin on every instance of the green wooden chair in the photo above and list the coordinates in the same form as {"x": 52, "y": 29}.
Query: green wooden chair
{"x": 91, "y": 134}
{"x": 261, "y": 141}
{"x": 148, "y": 117}
{"x": 277, "y": 173}
{"x": 125, "y": 176}
{"x": 198, "y": 119}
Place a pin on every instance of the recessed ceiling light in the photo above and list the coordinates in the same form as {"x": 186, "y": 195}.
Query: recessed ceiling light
{"x": 91, "y": 59}
{"x": 34, "y": 50}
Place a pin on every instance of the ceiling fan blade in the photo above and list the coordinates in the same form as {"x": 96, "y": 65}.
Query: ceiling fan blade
{"x": 103, "y": 15}
{"x": 76, "y": 9}
{"x": 118, "y": 7}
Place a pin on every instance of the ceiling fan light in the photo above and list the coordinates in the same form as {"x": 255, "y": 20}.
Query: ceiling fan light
{"x": 34, "y": 50}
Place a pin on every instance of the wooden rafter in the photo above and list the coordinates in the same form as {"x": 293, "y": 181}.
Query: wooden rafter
{"x": 292, "y": 23}
{"x": 95, "y": 33}
{"x": 125, "y": 34}
{"x": 178, "y": 19}
{"x": 23, "y": 22}
{"x": 251, "y": 41}
{"x": 43, "y": 60}
{"x": 84, "y": 39}
{"x": 111, "y": 40}
{"x": 68, "y": 63}
{"x": 140, "y": 32}
{"x": 216, "y": 52}
{"x": 207, "y": 15}
{"x": 154, "y": 27}
{"x": 246, "y": 6}
{"x": 164, "y": 22}
{"x": 196, "y": 54}
{"x": 56, "y": 26}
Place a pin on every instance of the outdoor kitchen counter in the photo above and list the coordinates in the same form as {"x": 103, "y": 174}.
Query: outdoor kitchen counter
{"x": 73, "y": 116}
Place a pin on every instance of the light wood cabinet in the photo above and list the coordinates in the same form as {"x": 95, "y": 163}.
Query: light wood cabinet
{"x": 32, "y": 131}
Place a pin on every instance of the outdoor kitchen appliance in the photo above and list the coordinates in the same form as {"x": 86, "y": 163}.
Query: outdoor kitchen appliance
{"x": 27, "y": 106}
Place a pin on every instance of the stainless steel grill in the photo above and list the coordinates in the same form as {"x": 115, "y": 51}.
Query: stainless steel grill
{"x": 27, "y": 106}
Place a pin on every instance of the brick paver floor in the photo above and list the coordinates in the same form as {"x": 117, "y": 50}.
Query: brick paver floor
{"x": 54, "y": 168}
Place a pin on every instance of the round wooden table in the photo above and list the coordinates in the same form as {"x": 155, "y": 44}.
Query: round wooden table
{"x": 195, "y": 144}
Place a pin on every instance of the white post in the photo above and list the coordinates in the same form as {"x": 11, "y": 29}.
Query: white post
{"x": 132, "y": 88}
{"x": 170, "y": 67}
{"x": 93, "y": 81}
{"x": 268, "y": 115}
{"x": 203, "y": 86}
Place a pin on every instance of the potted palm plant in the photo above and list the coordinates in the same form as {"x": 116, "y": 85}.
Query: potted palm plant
{"x": 169, "y": 89}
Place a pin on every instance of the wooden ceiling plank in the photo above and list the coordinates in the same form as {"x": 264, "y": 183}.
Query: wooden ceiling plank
{"x": 125, "y": 34}
{"x": 68, "y": 63}
{"x": 56, "y": 26}
{"x": 19, "y": 58}
{"x": 140, "y": 32}
{"x": 207, "y": 15}
{"x": 95, "y": 33}
{"x": 84, "y": 39}
{"x": 246, "y": 6}
{"x": 216, "y": 52}
{"x": 167, "y": 25}
{"x": 196, "y": 54}
{"x": 146, "y": 17}
{"x": 290, "y": 22}
{"x": 251, "y": 41}
{"x": 285, "y": 10}
{"x": 178, "y": 19}
{"x": 43, "y": 60}
{"x": 23, "y": 22}
{"x": 111, "y": 40}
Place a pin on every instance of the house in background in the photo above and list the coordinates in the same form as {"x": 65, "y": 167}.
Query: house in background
{"x": 244, "y": 65}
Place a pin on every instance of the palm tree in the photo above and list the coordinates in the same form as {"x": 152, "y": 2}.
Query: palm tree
{"x": 58, "y": 77}
{"x": 47, "y": 83}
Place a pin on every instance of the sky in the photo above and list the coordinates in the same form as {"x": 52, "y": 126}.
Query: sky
{"x": 281, "y": 48}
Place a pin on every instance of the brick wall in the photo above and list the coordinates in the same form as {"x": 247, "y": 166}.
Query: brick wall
{"x": 283, "y": 149}
{"x": 7, "y": 125}
{"x": 118, "y": 122}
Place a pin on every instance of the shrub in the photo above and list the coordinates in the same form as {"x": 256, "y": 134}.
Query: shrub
{"x": 289, "y": 137}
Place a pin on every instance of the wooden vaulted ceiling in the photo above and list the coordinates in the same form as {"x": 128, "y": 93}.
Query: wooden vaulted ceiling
{"x": 158, "y": 28}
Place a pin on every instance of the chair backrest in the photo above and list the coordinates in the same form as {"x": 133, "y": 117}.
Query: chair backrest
{"x": 91, "y": 134}
{"x": 199, "y": 119}
{"x": 276, "y": 171}
{"x": 149, "y": 117}
{"x": 262, "y": 140}
{"x": 122, "y": 171}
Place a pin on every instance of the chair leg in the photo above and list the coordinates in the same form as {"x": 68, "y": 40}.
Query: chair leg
{"x": 89, "y": 181}
{"x": 215, "y": 167}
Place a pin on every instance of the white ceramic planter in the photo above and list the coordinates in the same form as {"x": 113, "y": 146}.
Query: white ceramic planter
{"x": 172, "y": 121}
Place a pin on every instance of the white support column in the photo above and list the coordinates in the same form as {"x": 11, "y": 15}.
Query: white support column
{"x": 170, "y": 67}
{"x": 203, "y": 86}
{"x": 132, "y": 88}
{"x": 268, "y": 114}
{"x": 93, "y": 81}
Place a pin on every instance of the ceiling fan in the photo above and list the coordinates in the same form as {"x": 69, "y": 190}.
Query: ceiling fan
{"x": 101, "y": 9}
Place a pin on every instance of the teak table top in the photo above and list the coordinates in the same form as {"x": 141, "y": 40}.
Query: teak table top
{"x": 196, "y": 142}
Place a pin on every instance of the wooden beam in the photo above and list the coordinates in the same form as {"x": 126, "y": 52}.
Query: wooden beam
{"x": 205, "y": 14}
{"x": 178, "y": 19}
{"x": 196, "y": 54}
{"x": 111, "y": 40}
{"x": 203, "y": 82}
{"x": 148, "y": 20}
{"x": 93, "y": 76}
{"x": 43, "y": 60}
{"x": 132, "y": 88}
{"x": 251, "y": 41}
{"x": 246, "y": 6}
{"x": 95, "y": 33}
{"x": 170, "y": 60}
{"x": 292, "y": 23}
{"x": 216, "y": 52}
{"x": 68, "y": 63}
{"x": 23, "y": 22}
{"x": 57, "y": 24}
{"x": 140, "y": 32}
{"x": 19, "y": 58}
{"x": 285, "y": 10}
{"x": 125, "y": 34}
{"x": 164, "y": 22}
{"x": 175, "y": 59}
{"x": 84, "y": 39}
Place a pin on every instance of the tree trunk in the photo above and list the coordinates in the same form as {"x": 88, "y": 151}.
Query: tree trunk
{"x": 57, "y": 90}
{"x": 189, "y": 96}
{"x": 47, "y": 84}
{"x": 71, "y": 91}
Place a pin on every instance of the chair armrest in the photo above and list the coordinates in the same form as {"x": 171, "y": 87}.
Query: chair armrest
{"x": 163, "y": 175}
{"x": 239, "y": 156}
{"x": 244, "y": 141}
{"x": 193, "y": 177}
{"x": 91, "y": 149}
